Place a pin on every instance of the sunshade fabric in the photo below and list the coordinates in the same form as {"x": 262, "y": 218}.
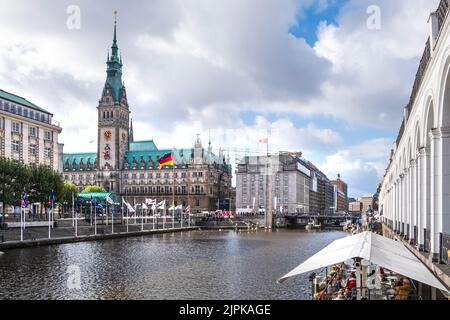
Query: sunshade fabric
{"x": 379, "y": 250}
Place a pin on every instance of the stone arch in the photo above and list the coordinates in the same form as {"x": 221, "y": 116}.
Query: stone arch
{"x": 443, "y": 114}
{"x": 442, "y": 145}
{"x": 417, "y": 139}
{"x": 428, "y": 119}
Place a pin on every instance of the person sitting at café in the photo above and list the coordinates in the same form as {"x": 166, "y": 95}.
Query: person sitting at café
{"x": 341, "y": 295}
{"x": 351, "y": 281}
{"x": 403, "y": 289}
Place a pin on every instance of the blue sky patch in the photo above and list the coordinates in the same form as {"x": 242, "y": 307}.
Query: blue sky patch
{"x": 309, "y": 19}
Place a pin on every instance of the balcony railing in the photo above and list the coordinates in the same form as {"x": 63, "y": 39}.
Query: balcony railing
{"x": 426, "y": 56}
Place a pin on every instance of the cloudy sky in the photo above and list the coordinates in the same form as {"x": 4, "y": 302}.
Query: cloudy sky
{"x": 310, "y": 71}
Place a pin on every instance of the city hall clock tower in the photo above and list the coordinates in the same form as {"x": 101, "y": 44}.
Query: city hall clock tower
{"x": 113, "y": 122}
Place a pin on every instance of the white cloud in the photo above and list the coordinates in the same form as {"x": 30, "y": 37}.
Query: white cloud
{"x": 361, "y": 166}
{"x": 373, "y": 70}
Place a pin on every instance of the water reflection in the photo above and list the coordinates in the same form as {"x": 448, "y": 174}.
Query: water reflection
{"x": 190, "y": 265}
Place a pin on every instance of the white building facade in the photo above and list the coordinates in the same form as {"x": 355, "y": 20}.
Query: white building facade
{"x": 288, "y": 180}
{"x": 28, "y": 133}
{"x": 415, "y": 193}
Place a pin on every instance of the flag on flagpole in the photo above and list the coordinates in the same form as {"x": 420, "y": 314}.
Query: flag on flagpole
{"x": 166, "y": 160}
{"x": 99, "y": 205}
{"x": 180, "y": 207}
{"x": 144, "y": 206}
{"x": 187, "y": 209}
{"x": 109, "y": 200}
{"x": 23, "y": 200}
{"x": 129, "y": 206}
{"x": 162, "y": 205}
{"x": 264, "y": 141}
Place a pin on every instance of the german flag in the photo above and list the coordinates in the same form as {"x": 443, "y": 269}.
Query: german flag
{"x": 166, "y": 160}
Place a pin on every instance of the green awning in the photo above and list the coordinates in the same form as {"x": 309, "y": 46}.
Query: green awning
{"x": 99, "y": 196}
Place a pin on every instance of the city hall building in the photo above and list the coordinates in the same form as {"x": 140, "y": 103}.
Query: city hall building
{"x": 199, "y": 178}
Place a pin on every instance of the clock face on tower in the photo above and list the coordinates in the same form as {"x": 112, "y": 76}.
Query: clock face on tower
{"x": 108, "y": 135}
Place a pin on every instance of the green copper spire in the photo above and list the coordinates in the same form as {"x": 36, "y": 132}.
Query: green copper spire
{"x": 114, "y": 63}
{"x": 115, "y": 48}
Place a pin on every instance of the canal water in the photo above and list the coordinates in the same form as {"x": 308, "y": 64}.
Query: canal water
{"x": 189, "y": 265}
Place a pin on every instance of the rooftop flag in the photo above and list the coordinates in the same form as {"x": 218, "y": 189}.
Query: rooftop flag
{"x": 166, "y": 160}
{"x": 264, "y": 141}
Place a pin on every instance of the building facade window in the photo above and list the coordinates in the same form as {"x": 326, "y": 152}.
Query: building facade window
{"x": 15, "y": 146}
{"x": 47, "y": 152}
{"x": 33, "y": 149}
{"x": 32, "y": 131}
{"x": 15, "y": 127}
{"x": 48, "y": 136}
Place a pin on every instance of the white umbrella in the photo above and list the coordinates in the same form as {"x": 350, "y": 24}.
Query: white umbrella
{"x": 379, "y": 250}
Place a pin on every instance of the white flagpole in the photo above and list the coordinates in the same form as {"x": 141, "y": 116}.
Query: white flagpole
{"x": 165, "y": 215}
{"x": 106, "y": 212}
{"x": 112, "y": 220}
{"x": 21, "y": 223}
{"x": 142, "y": 219}
{"x": 73, "y": 209}
{"x": 173, "y": 195}
{"x": 153, "y": 211}
{"x": 53, "y": 212}
{"x": 128, "y": 213}
{"x": 49, "y": 224}
{"x": 90, "y": 218}
{"x": 95, "y": 217}
{"x": 76, "y": 224}
{"x": 181, "y": 217}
